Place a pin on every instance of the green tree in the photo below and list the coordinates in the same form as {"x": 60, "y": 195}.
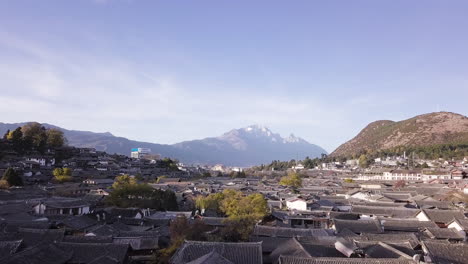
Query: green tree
{"x": 123, "y": 181}
{"x": 292, "y": 179}
{"x": 57, "y": 172}
{"x": 35, "y": 134}
{"x": 55, "y": 138}
{"x": 12, "y": 178}
{"x": 62, "y": 175}
{"x": 142, "y": 196}
{"x": 16, "y": 138}
{"x": 363, "y": 161}
{"x": 67, "y": 171}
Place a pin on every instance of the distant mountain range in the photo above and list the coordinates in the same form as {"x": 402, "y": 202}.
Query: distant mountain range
{"x": 243, "y": 147}
{"x": 423, "y": 130}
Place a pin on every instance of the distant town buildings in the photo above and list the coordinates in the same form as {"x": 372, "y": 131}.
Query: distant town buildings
{"x": 139, "y": 153}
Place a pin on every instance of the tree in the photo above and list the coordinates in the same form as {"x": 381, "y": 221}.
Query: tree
{"x": 55, "y": 138}
{"x": 67, "y": 171}
{"x": 293, "y": 180}
{"x": 210, "y": 202}
{"x": 180, "y": 229}
{"x": 142, "y": 196}
{"x": 123, "y": 181}
{"x": 4, "y": 184}
{"x": 161, "y": 177}
{"x": 238, "y": 174}
{"x": 57, "y": 172}
{"x": 12, "y": 178}
{"x": 206, "y": 174}
{"x": 35, "y": 134}
{"x": 16, "y": 138}
{"x": 363, "y": 161}
{"x": 5, "y": 136}
{"x": 62, "y": 175}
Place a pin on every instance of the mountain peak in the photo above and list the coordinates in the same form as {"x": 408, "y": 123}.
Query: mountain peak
{"x": 293, "y": 139}
{"x": 257, "y": 128}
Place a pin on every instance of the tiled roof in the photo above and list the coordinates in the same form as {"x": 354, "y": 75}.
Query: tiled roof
{"x": 358, "y": 226}
{"x": 463, "y": 223}
{"x": 405, "y": 225}
{"x": 378, "y": 249}
{"x": 299, "y": 260}
{"x": 399, "y": 212}
{"x": 45, "y": 253}
{"x": 32, "y": 237}
{"x": 88, "y": 252}
{"x": 238, "y": 253}
{"x": 79, "y": 222}
{"x": 8, "y": 248}
{"x": 443, "y": 233}
{"x": 211, "y": 258}
{"x": 272, "y": 231}
{"x": 290, "y": 247}
{"x": 446, "y": 253}
{"x": 268, "y": 243}
{"x": 443, "y": 216}
{"x": 138, "y": 243}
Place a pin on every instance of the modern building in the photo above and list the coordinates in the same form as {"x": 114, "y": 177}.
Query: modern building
{"x": 139, "y": 153}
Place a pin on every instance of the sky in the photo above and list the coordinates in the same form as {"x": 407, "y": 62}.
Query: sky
{"x": 168, "y": 71}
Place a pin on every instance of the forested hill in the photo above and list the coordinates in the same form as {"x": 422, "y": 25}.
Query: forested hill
{"x": 441, "y": 131}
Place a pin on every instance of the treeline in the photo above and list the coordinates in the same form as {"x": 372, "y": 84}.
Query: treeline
{"x": 34, "y": 137}
{"x": 127, "y": 192}
{"x": 445, "y": 151}
{"x": 278, "y": 165}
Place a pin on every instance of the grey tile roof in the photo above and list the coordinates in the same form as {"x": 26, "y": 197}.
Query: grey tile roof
{"x": 138, "y": 243}
{"x": 211, "y": 258}
{"x": 446, "y": 253}
{"x": 290, "y": 247}
{"x": 87, "y": 239}
{"x": 405, "y": 225}
{"x": 33, "y": 237}
{"x": 443, "y": 233}
{"x": 88, "y": 252}
{"x": 358, "y": 226}
{"x": 379, "y": 249}
{"x": 443, "y": 216}
{"x": 268, "y": 243}
{"x": 398, "y": 212}
{"x": 8, "y": 248}
{"x": 320, "y": 246}
{"x": 463, "y": 223}
{"x": 299, "y": 260}
{"x": 272, "y": 231}
{"x": 238, "y": 253}
{"x": 45, "y": 253}
{"x": 79, "y": 222}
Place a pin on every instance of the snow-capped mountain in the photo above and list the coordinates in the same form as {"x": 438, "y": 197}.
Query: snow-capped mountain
{"x": 252, "y": 145}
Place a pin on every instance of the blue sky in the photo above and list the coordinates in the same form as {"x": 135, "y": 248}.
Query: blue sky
{"x": 167, "y": 71}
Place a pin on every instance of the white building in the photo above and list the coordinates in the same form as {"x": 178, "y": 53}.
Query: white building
{"x": 138, "y": 153}
{"x": 296, "y": 204}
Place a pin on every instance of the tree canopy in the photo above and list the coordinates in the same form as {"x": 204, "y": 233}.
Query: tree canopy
{"x": 293, "y": 179}
{"x": 12, "y": 178}
{"x": 128, "y": 193}
{"x": 62, "y": 175}
{"x": 34, "y": 136}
